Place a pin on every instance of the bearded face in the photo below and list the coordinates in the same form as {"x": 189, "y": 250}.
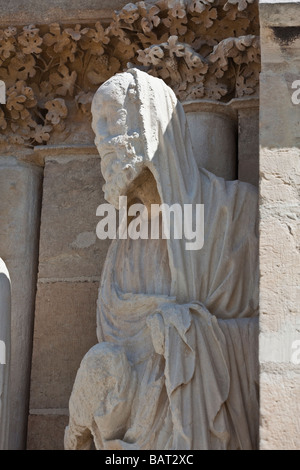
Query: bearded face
{"x": 116, "y": 126}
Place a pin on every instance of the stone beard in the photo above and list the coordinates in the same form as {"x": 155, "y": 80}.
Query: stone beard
{"x": 117, "y": 138}
{"x": 176, "y": 364}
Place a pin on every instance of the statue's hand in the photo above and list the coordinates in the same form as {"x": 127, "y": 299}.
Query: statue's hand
{"x": 168, "y": 315}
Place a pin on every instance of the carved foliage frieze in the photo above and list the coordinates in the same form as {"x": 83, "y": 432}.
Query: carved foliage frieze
{"x": 201, "y": 48}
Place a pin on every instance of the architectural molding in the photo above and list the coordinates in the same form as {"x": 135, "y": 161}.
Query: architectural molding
{"x": 203, "y": 49}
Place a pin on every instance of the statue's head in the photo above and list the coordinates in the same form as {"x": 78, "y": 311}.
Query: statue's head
{"x": 117, "y": 126}
{"x": 142, "y": 138}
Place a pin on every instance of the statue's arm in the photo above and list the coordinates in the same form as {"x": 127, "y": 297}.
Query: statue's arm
{"x": 77, "y": 437}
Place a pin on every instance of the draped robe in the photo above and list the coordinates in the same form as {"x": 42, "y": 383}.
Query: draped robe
{"x": 182, "y": 322}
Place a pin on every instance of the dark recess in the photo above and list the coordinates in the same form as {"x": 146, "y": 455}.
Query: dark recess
{"x": 286, "y": 34}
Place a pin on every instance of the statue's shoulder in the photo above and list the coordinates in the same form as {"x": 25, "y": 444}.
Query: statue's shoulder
{"x": 243, "y": 187}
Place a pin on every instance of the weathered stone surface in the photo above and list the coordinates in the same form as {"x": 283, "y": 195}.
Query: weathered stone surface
{"x": 43, "y": 11}
{"x": 20, "y": 193}
{"x": 46, "y": 432}
{"x": 280, "y": 258}
{"x": 279, "y": 124}
{"x": 279, "y": 226}
{"x": 279, "y": 12}
{"x": 279, "y": 171}
{"x": 172, "y": 363}
{"x": 281, "y": 346}
{"x": 72, "y": 191}
{"x": 248, "y": 145}
{"x": 213, "y": 137}
{"x": 64, "y": 330}
{"x": 279, "y": 407}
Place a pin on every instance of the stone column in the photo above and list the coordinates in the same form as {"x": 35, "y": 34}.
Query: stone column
{"x": 4, "y": 354}
{"x": 213, "y": 132}
{"x": 248, "y": 138}
{"x": 20, "y": 189}
{"x": 279, "y": 210}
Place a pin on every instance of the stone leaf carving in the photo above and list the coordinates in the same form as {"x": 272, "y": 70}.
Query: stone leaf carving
{"x": 241, "y": 4}
{"x": 243, "y": 56}
{"x": 192, "y": 76}
{"x": 201, "y": 48}
{"x": 177, "y": 64}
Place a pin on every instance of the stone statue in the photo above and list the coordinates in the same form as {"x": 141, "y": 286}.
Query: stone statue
{"x": 176, "y": 363}
{"x": 4, "y": 354}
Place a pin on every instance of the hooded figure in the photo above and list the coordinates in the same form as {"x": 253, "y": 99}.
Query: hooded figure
{"x": 176, "y": 363}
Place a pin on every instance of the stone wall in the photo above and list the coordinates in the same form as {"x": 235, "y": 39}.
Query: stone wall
{"x": 50, "y": 190}
{"x": 70, "y": 263}
{"x": 279, "y": 225}
{"x": 47, "y": 11}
